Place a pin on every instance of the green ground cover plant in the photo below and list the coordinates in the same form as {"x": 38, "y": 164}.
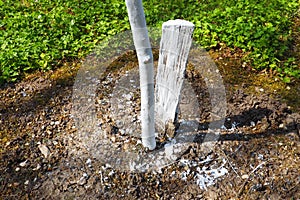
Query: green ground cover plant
{"x": 262, "y": 29}
{"x": 42, "y": 34}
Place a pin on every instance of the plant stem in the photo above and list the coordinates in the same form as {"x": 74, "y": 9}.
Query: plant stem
{"x": 145, "y": 58}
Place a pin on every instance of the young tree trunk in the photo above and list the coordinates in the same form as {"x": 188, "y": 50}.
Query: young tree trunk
{"x": 145, "y": 58}
{"x": 175, "y": 45}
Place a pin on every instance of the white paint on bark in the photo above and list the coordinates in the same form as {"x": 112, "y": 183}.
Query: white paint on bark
{"x": 175, "y": 45}
{"x": 145, "y": 58}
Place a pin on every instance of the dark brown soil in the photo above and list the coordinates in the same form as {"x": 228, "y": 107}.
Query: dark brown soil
{"x": 260, "y": 144}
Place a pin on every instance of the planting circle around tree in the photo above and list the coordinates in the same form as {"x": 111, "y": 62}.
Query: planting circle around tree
{"x": 90, "y": 134}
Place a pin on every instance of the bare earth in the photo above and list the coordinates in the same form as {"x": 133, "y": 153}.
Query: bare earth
{"x": 258, "y": 149}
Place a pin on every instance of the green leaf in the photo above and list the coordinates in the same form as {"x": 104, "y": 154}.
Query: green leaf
{"x": 286, "y": 79}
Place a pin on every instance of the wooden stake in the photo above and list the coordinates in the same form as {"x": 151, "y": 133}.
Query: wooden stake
{"x": 175, "y": 45}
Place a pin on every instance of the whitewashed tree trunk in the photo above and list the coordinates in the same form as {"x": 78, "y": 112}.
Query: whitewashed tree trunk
{"x": 175, "y": 45}
{"x": 145, "y": 58}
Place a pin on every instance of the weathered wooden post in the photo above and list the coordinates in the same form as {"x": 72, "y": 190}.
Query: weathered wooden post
{"x": 175, "y": 45}
{"x": 145, "y": 58}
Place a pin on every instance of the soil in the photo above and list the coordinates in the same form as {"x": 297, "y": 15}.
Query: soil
{"x": 258, "y": 152}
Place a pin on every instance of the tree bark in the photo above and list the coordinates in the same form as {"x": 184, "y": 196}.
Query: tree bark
{"x": 175, "y": 45}
{"x": 145, "y": 58}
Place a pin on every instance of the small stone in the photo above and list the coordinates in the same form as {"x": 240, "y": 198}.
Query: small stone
{"x": 245, "y": 176}
{"x": 127, "y": 96}
{"x": 83, "y": 179}
{"x": 37, "y": 167}
{"x": 17, "y": 169}
{"x": 88, "y": 161}
{"x": 23, "y": 164}
{"x": 122, "y": 131}
{"x": 44, "y": 150}
{"x": 26, "y": 182}
{"x": 85, "y": 175}
{"x": 138, "y": 142}
{"x": 23, "y": 93}
{"x": 260, "y": 156}
{"x": 111, "y": 173}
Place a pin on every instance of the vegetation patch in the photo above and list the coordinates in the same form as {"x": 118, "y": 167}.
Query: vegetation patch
{"x": 41, "y": 35}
